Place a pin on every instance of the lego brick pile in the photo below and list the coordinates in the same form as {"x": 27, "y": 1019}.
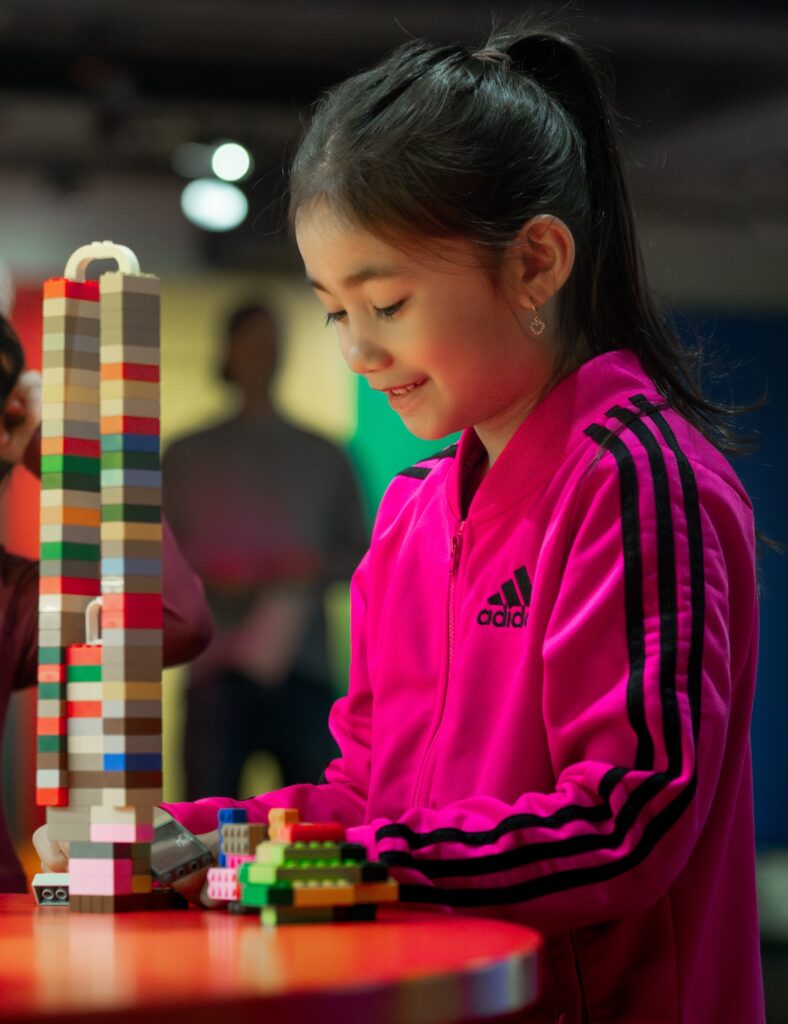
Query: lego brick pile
{"x": 295, "y": 872}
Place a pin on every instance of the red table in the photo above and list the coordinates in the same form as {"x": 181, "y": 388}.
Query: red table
{"x": 179, "y": 966}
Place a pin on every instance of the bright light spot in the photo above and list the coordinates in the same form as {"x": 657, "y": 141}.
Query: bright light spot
{"x": 214, "y": 205}
{"x": 231, "y": 162}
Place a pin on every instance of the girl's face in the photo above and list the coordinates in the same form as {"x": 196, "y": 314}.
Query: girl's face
{"x": 431, "y": 330}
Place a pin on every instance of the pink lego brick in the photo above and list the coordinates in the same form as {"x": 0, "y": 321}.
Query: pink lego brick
{"x": 234, "y": 860}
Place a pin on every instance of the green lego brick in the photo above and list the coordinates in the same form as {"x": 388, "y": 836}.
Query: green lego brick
{"x": 51, "y": 744}
{"x": 55, "y": 549}
{"x": 279, "y": 894}
{"x": 130, "y": 460}
{"x": 267, "y": 874}
{"x": 51, "y": 655}
{"x": 130, "y": 514}
{"x": 51, "y": 691}
{"x": 70, "y": 464}
{"x": 71, "y": 482}
{"x": 300, "y": 854}
{"x": 83, "y": 674}
{"x": 272, "y": 916}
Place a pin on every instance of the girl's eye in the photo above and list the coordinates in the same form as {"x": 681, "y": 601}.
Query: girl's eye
{"x": 387, "y": 312}
{"x": 333, "y": 318}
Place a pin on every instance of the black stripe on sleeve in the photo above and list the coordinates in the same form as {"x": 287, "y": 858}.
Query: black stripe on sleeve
{"x": 633, "y": 589}
{"x": 419, "y": 472}
{"x": 689, "y": 489}
{"x": 666, "y": 583}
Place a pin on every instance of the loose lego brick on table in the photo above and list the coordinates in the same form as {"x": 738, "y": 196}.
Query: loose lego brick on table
{"x": 318, "y": 894}
{"x": 50, "y": 888}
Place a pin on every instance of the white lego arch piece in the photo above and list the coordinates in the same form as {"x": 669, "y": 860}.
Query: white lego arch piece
{"x": 81, "y": 258}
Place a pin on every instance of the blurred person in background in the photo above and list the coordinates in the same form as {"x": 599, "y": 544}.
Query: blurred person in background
{"x": 187, "y": 620}
{"x": 268, "y": 514}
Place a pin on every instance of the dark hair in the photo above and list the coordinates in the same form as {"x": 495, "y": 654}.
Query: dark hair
{"x": 450, "y": 142}
{"x": 12, "y": 360}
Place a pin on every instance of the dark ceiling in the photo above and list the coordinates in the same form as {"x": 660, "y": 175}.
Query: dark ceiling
{"x": 95, "y": 87}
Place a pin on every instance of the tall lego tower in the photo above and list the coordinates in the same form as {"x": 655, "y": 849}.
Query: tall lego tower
{"x": 100, "y": 609}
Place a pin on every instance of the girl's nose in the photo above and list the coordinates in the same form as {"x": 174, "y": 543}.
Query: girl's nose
{"x": 363, "y": 355}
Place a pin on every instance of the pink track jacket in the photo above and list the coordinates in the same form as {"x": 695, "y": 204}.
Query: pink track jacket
{"x": 549, "y": 705}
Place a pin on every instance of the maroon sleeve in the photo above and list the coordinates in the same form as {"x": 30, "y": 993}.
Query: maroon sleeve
{"x": 188, "y": 624}
{"x": 19, "y": 619}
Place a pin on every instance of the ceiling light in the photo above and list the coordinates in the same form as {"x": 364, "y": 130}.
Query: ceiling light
{"x": 214, "y": 205}
{"x": 231, "y": 161}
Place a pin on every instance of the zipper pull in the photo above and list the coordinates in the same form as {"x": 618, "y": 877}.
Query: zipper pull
{"x": 456, "y": 549}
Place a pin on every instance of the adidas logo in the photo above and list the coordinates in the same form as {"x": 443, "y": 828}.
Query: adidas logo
{"x": 509, "y": 607}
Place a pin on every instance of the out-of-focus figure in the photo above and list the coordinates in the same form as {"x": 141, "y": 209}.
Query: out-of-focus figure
{"x": 268, "y": 514}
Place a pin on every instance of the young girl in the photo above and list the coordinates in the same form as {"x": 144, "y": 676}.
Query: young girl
{"x": 554, "y": 631}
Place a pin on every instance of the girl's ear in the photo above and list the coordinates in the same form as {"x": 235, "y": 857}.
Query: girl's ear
{"x": 545, "y": 255}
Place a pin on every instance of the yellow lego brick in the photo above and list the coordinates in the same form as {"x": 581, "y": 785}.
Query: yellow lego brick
{"x": 141, "y": 883}
{"x": 54, "y": 394}
{"x": 131, "y": 531}
{"x": 59, "y": 411}
{"x": 130, "y": 407}
{"x": 144, "y": 354}
{"x": 66, "y": 376}
{"x": 62, "y": 499}
{"x": 145, "y": 389}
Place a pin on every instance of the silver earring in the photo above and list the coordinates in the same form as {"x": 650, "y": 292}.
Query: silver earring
{"x": 537, "y": 324}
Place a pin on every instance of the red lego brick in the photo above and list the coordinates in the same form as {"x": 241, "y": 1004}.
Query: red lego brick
{"x": 307, "y": 832}
{"x": 129, "y": 371}
{"x": 51, "y": 673}
{"x": 52, "y": 726}
{"x": 52, "y": 797}
{"x": 63, "y": 288}
{"x": 129, "y": 425}
{"x": 83, "y": 708}
{"x": 69, "y": 585}
{"x": 83, "y": 654}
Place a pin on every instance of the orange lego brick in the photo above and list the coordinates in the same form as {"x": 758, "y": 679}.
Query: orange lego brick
{"x": 129, "y": 425}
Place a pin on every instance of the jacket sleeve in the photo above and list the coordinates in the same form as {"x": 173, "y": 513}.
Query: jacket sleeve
{"x": 637, "y": 691}
{"x": 343, "y": 796}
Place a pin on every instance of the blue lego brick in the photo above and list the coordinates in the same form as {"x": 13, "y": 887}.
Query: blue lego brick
{"x": 233, "y": 815}
{"x": 130, "y": 443}
{"x": 132, "y": 762}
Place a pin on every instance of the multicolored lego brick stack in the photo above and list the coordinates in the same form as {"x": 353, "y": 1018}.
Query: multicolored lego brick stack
{"x": 298, "y": 873}
{"x": 99, "y": 711}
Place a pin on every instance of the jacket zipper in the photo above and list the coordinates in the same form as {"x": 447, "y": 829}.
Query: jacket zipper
{"x": 454, "y": 564}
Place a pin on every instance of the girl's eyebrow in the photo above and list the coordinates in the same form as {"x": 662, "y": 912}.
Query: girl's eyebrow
{"x": 360, "y": 276}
